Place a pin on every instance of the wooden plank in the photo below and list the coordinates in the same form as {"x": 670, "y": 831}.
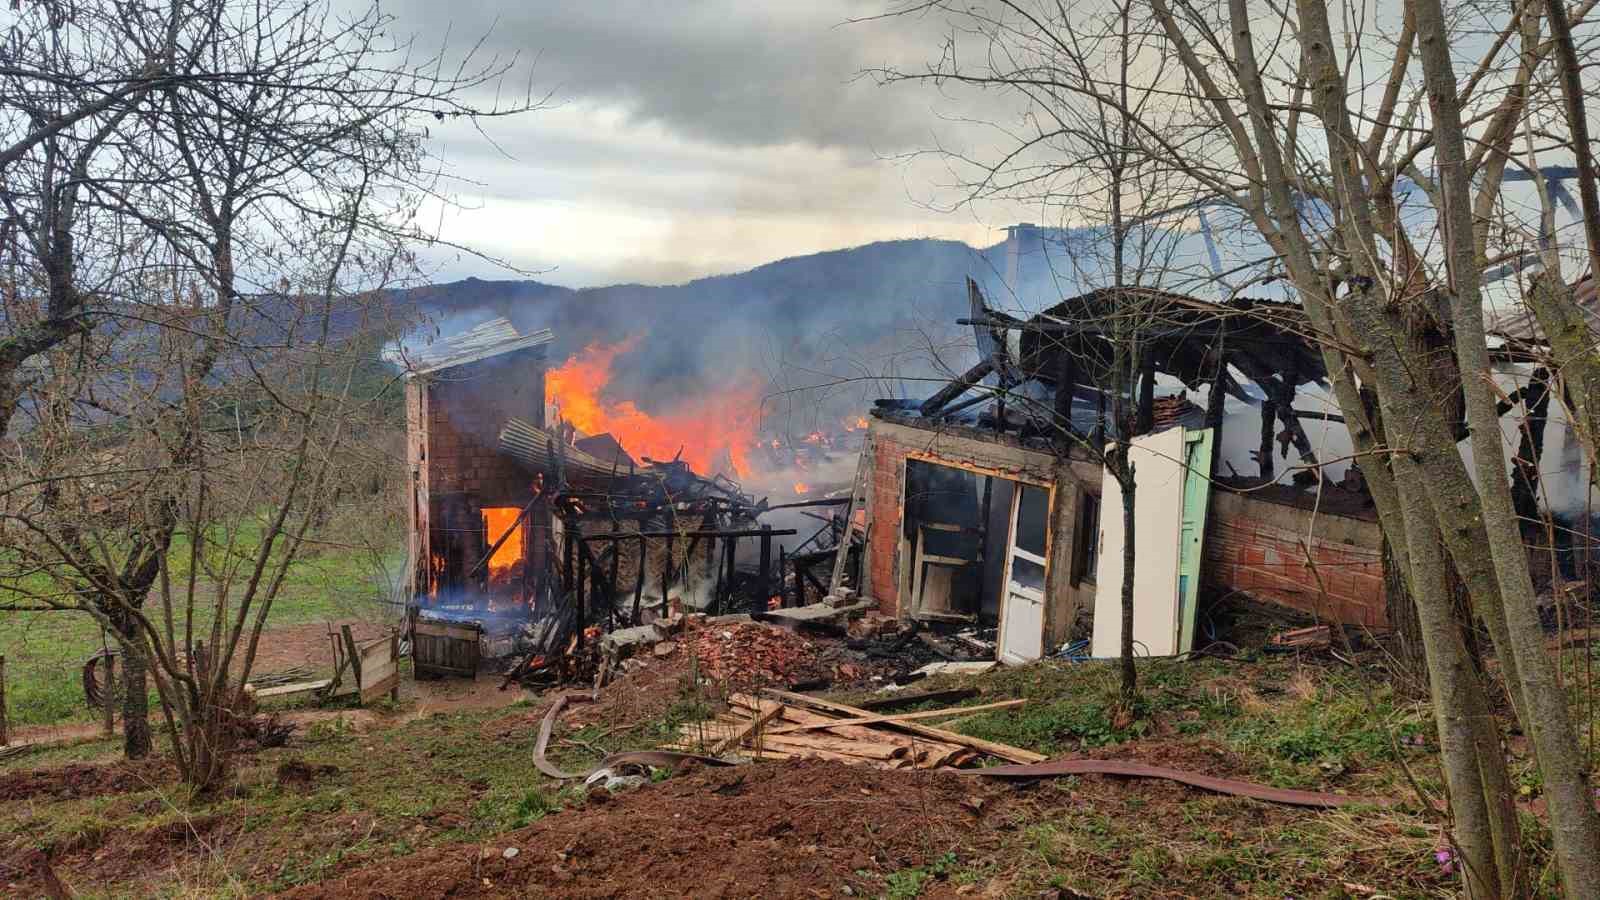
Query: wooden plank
{"x": 901, "y": 717}
{"x": 838, "y": 745}
{"x": 287, "y": 690}
{"x": 956, "y": 388}
{"x": 766, "y": 713}
{"x": 858, "y": 499}
{"x": 903, "y": 700}
{"x": 855, "y": 732}
{"x": 993, "y": 748}
{"x": 352, "y": 652}
{"x": 379, "y": 670}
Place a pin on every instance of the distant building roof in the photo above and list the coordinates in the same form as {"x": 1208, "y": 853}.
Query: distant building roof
{"x": 482, "y": 341}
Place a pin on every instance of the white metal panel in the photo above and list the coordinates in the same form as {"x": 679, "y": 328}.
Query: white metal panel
{"x": 1158, "y": 523}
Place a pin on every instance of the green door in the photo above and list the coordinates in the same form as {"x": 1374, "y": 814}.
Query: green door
{"x": 1196, "y": 494}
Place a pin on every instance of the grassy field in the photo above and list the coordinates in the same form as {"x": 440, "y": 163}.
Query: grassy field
{"x": 468, "y": 778}
{"x": 44, "y": 651}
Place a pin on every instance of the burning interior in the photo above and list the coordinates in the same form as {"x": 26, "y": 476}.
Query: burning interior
{"x": 532, "y": 533}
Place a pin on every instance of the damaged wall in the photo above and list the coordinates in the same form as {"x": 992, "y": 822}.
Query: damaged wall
{"x": 891, "y": 444}
{"x": 1256, "y": 546}
{"x": 453, "y": 420}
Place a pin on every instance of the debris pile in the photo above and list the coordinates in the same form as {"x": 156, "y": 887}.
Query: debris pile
{"x": 783, "y": 725}
{"x": 754, "y": 653}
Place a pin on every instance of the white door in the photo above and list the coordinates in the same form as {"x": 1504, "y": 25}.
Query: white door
{"x": 1157, "y": 522}
{"x": 1022, "y": 613}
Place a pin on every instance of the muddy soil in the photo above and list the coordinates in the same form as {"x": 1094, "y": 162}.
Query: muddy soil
{"x": 808, "y": 828}
{"x": 76, "y": 780}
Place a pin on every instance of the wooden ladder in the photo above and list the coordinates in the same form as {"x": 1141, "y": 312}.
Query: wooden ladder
{"x": 858, "y": 499}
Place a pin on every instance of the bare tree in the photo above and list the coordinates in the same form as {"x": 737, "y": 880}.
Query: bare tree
{"x": 1078, "y": 162}
{"x": 241, "y": 233}
{"x": 1272, "y": 112}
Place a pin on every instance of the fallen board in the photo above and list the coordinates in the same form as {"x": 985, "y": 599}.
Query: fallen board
{"x": 1193, "y": 779}
{"x": 901, "y": 717}
{"x": 289, "y": 690}
{"x": 378, "y": 670}
{"x": 993, "y": 748}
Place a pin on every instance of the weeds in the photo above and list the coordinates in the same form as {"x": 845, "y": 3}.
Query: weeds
{"x": 908, "y": 883}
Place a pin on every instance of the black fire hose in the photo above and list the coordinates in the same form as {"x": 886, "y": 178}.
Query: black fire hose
{"x": 93, "y": 693}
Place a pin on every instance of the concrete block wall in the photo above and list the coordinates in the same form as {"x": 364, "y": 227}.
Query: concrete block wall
{"x": 1260, "y": 548}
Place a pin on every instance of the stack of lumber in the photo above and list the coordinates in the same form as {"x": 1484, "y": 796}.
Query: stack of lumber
{"x": 782, "y": 725}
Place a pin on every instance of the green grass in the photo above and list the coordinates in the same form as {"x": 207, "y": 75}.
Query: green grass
{"x": 45, "y": 650}
{"x": 438, "y": 780}
{"x": 469, "y": 778}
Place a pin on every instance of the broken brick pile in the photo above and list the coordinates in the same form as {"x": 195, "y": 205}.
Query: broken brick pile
{"x": 751, "y": 652}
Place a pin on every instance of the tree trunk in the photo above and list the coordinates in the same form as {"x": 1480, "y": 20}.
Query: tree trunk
{"x": 1574, "y": 824}
{"x": 135, "y": 689}
{"x": 1485, "y": 832}
{"x": 1130, "y": 674}
{"x": 1411, "y": 662}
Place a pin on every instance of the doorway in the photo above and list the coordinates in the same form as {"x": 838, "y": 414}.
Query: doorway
{"x": 973, "y": 550}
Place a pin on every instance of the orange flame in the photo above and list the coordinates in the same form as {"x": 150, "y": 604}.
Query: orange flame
{"x": 714, "y": 430}
{"x": 496, "y": 521}
{"x": 800, "y": 487}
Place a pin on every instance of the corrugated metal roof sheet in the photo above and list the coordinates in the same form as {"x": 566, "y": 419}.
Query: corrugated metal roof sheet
{"x": 481, "y": 341}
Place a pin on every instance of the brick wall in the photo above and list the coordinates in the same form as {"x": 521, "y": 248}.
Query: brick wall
{"x": 884, "y": 512}
{"x": 467, "y": 406}
{"x": 892, "y": 444}
{"x": 454, "y": 419}
{"x": 1258, "y": 547}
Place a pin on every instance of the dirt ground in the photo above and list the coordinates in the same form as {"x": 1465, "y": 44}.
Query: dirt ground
{"x": 455, "y": 809}
{"x": 797, "y": 830}
{"x": 308, "y": 646}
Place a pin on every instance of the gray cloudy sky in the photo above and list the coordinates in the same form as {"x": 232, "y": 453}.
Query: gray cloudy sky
{"x": 693, "y": 137}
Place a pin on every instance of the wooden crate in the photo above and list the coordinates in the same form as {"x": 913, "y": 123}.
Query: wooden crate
{"x": 445, "y": 648}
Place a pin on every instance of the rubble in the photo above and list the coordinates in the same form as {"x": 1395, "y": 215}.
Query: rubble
{"x": 754, "y": 653}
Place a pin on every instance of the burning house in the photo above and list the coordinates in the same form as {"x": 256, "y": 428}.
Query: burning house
{"x": 530, "y": 536}
{"x": 474, "y": 541}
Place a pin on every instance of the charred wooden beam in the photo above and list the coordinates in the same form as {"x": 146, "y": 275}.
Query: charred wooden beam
{"x": 1269, "y": 416}
{"x": 1217, "y": 405}
{"x": 747, "y": 532}
{"x": 1290, "y": 417}
{"x": 1066, "y": 382}
{"x": 495, "y": 547}
{"x": 1145, "y": 415}
{"x": 638, "y": 583}
{"x": 957, "y": 387}
{"x": 616, "y": 560}
{"x": 731, "y": 546}
{"x": 1525, "y": 469}
{"x": 764, "y": 575}
{"x": 1320, "y": 416}
{"x": 831, "y": 501}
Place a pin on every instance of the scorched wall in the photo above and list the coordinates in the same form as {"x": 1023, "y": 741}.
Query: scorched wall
{"x": 891, "y": 444}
